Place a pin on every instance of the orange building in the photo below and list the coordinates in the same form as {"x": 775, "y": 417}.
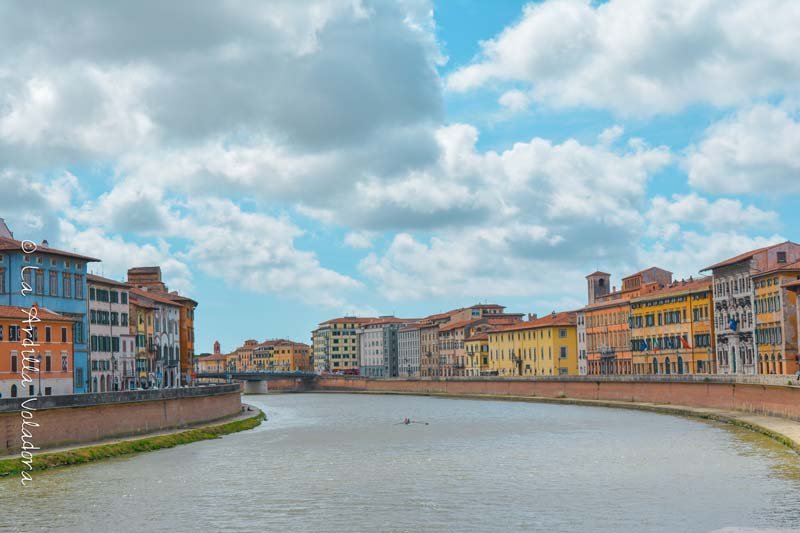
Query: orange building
{"x": 52, "y": 337}
{"x": 186, "y": 328}
{"x": 607, "y": 316}
{"x": 289, "y": 356}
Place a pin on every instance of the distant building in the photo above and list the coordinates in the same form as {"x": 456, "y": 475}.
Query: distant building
{"x": 735, "y": 293}
{"x": 53, "y": 335}
{"x": 583, "y": 367}
{"x": 546, "y": 346}
{"x": 776, "y": 319}
{"x": 408, "y": 350}
{"x": 476, "y": 348}
{"x": 378, "y": 346}
{"x": 335, "y": 345}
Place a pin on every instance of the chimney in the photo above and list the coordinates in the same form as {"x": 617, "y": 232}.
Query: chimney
{"x": 45, "y": 244}
{"x": 532, "y": 317}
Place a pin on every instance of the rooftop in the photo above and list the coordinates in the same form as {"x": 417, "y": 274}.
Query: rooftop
{"x": 565, "y": 318}
{"x": 8, "y": 243}
{"x": 9, "y": 311}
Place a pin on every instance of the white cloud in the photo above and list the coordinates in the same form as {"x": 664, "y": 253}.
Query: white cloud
{"x": 644, "y": 57}
{"x": 724, "y": 214}
{"x": 359, "y": 239}
{"x": 686, "y": 255}
{"x": 756, "y": 151}
{"x": 118, "y": 255}
{"x": 514, "y": 100}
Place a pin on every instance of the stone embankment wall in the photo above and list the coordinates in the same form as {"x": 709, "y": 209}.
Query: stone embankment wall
{"x": 83, "y": 418}
{"x": 692, "y": 391}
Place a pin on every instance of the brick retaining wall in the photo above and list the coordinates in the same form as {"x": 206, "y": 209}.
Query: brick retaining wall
{"x": 775, "y": 400}
{"x": 82, "y": 418}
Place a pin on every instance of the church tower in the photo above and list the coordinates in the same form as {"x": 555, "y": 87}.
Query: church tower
{"x": 598, "y": 284}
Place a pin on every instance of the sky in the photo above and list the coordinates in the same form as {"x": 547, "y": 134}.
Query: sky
{"x": 288, "y": 162}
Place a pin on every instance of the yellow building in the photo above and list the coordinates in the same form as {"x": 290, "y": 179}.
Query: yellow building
{"x": 672, "y": 329}
{"x": 335, "y": 345}
{"x": 545, "y": 346}
{"x": 776, "y": 320}
{"x": 141, "y": 327}
{"x": 476, "y": 348}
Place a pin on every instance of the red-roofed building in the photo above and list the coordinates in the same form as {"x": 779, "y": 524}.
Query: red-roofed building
{"x": 335, "y": 345}
{"x": 53, "y": 339}
{"x": 545, "y": 346}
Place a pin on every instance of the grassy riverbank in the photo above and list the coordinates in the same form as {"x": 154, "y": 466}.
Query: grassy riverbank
{"x": 44, "y": 461}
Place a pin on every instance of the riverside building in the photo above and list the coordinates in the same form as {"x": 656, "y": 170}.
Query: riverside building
{"x": 335, "y": 345}
{"x": 546, "y": 346}
{"x": 408, "y": 350}
{"x": 776, "y": 319}
{"x": 735, "y": 308}
{"x": 111, "y": 344}
{"x": 378, "y": 346}
{"x": 607, "y": 318}
{"x": 672, "y": 329}
{"x": 58, "y": 282}
{"x": 53, "y": 335}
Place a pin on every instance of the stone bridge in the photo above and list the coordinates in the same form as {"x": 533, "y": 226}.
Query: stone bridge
{"x": 257, "y": 382}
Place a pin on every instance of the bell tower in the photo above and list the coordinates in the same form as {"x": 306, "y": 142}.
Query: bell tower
{"x": 598, "y": 285}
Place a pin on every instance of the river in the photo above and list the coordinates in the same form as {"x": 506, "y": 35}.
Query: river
{"x": 340, "y": 462}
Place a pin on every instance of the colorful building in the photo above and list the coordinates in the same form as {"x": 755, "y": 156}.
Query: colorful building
{"x": 57, "y": 280}
{"x": 290, "y": 356}
{"x": 335, "y": 345}
{"x": 111, "y": 345}
{"x": 672, "y": 329}
{"x": 607, "y": 318}
{"x": 776, "y": 319}
{"x": 141, "y": 328}
{"x": 476, "y": 348}
{"x": 52, "y": 337}
{"x": 734, "y": 307}
{"x": 546, "y": 346}
{"x": 794, "y": 287}
{"x": 178, "y": 371}
{"x": 165, "y": 335}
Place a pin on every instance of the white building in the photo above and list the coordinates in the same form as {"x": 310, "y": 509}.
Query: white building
{"x": 582, "y": 364}
{"x": 734, "y": 308}
{"x": 378, "y": 350}
{"x": 111, "y": 345}
{"x": 408, "y": 350}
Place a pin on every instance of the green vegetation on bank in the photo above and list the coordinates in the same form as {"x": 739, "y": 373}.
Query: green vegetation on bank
{"x": 98, "y": 452}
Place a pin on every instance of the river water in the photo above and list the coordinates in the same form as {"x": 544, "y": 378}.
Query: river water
{"x": 340, "y": 462}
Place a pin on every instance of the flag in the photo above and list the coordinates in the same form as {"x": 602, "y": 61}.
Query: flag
{"x": 685, "y": 343}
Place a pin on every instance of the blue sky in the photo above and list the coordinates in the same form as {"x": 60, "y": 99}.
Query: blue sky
{"x": 290, "y": 162}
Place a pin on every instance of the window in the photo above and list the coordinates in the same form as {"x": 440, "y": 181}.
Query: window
{"x": 53, "y": 283}
{"x": 13, "y": 333}
{"x": 781, "y": 257}
{"x": 48, "y": 391}
{"x": 47, "y": 337}
{"x": 562, "y": 333}
{"x": 563, "y": 354}
{"x": 13, "y": 391}
{"x": 114, "y": 297}
{"x": 79, "y": 378}
{"x": 124, "y": 297}
{"x": 14, "y": 362}
{"x": 2, "y": 280}
{"x": 92, "y": 294}
{"x": 48, "y": 364}
{"x": 78, "y": 287}
{"x": 40, "y": 281}
{"x": 63, "y": 334}
{"x": 67, "y": 285}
